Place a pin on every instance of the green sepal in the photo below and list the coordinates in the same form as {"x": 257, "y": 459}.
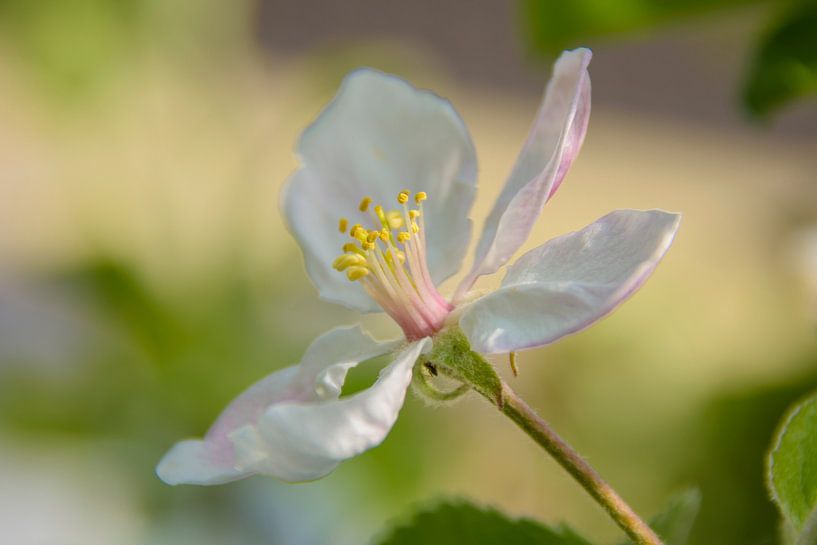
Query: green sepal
{"x": 452, "y": 356}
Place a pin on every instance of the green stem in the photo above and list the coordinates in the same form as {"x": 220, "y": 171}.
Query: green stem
{"x": 532, "y": 424}
{"x": 453, "y": 357}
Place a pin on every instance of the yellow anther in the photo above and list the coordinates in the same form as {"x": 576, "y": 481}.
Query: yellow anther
{"x": 359, "y": 233}
{"x": 351, "y": 247}
{"x": 343, "y": 224}
{"x": 372, "y": 236}
{"x": 420, "y": 196}
{"x": 403, "y": 237}
{"x": 349, "y": 260}
{"x": 356, "y": 273}
{"x": 368, "y": 245}
{"x": 380, "y": 214}
{"x": 395, "y": 219}
{"x": 385, "y": 234}
{"x": 403, "y": 196}
{"x": 415, "y": 228}
{"x": 364, "y": 204}
{"x": 414, "y": 214}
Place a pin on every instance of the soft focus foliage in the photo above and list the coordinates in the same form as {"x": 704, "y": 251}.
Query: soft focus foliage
{"x": 792, "y": 467}
{"x": 785, "y": 65}
{"x": 467, "y": 524}
{"x": 146, "y": 279}
{"x": 783, "y": 62}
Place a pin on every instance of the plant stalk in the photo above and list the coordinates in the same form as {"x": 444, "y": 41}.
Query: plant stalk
{"x": 539, "y": 430}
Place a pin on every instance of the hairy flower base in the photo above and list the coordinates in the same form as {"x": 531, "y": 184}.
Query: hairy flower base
{"x": 392, "y": 265}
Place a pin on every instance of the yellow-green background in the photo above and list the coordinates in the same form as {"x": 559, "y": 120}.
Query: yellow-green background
{"x": 146, "y": 276}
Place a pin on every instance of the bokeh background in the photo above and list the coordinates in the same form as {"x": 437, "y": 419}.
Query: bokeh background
{"x": 146, "y": 276}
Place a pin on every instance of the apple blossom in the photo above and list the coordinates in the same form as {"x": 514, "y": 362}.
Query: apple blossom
{"x": 379, "y": 207}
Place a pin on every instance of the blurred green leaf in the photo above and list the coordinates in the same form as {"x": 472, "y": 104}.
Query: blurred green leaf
{"x": 674, "y": 524}
{"x": 463, "y": 523}
{"x": 70, "y": 44}
{"x": 553, "y": 25}
{"x": 792, "y": 475}
{"x": 784, "y": 67}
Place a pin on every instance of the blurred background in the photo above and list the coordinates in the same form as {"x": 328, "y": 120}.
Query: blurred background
{"x": 146, "y": 276}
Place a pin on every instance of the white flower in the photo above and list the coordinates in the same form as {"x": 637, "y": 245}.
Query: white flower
{"x": 380, "y": 209}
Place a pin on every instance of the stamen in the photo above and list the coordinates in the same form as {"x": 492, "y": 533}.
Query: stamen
{"x": 380, "y": 214}
{"x": 398, "y": 279}
{"x": 395, "y": 219}
{"x": 356, "y": 273}
{"x": 351, "y": 247}
{"x": 349, "y": 260}
{"x": 512, "y": 361}
{"x": 359, "y": 233}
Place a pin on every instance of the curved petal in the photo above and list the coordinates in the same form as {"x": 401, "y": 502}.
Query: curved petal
{"x": 318, "y": 377}
{"x": 553, "y": 142}
{"x": 377, "y": 137}
{"x": 321, "y": 435}
{"x": 570, "y": 282}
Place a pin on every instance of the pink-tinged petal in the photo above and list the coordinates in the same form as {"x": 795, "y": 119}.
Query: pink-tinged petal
{"x": 318, "y": 378}
{"x": 570, "y": 282}
{"x": 378, "y": 136}
{"x": 553, "y": 142}
{"x": 321, "y": 435}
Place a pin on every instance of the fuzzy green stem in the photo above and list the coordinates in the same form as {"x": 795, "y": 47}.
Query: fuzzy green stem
{"x": 539, "y": 430}
{"x": 452, "y": 356}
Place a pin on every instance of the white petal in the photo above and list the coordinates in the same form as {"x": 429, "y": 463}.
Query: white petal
{"x": 570, "y": 282}
{"x": 377, "y": 137}
{"x": 306, "y": 441}
{"x": 319, "y": 377}
{"x": 553, "y": 142}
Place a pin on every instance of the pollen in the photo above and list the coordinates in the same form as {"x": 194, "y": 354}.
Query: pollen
{"x": 390, "y": 264}
{"x": 356, "y": 273}
{"x": 395, "y": 218}
{"x": 351, "y": 247}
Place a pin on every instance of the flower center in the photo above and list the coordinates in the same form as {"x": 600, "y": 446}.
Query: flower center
{"x": 389, "y": 260}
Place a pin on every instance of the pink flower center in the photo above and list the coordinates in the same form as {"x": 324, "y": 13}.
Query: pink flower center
{"x": 390, "y": 263}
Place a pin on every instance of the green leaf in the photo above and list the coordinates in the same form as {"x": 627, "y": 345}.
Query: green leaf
{"x": 462, "y": 523}
{"x": 792, "y": 471}
{"x": 674, "y": 524}
{"x": 784, "y": 67}
{"x": 554, "y": 25}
